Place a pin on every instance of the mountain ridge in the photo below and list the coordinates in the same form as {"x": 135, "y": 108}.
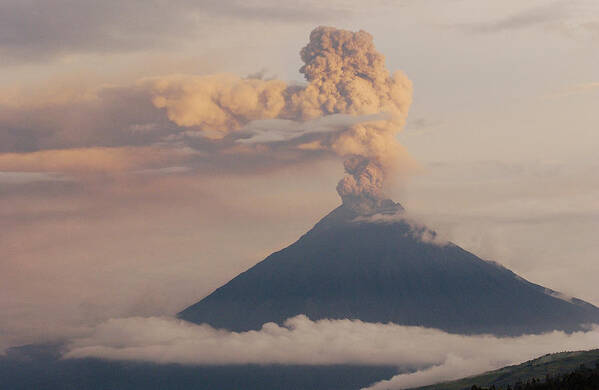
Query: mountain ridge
{"x": 551, "y": 364}
{"x": 377, "y": 266}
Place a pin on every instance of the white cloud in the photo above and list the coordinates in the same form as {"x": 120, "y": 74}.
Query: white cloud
{"x": 276, "y": 130}
{"x": 454, "y": 367}
{"x": 435, "y": 354}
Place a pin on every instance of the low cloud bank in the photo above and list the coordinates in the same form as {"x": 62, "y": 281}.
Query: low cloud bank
{"x": 435, "y": 355}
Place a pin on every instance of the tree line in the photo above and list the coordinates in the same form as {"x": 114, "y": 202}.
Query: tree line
{"x": 583, "y": 378}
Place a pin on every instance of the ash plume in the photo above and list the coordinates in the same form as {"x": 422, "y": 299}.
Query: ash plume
{"x": 218, "y": 104}
{"x": 362, "y": 188}
{"x": 345, "y": 75}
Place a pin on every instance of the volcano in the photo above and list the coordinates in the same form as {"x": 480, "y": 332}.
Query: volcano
{"x": 381, "y": 267}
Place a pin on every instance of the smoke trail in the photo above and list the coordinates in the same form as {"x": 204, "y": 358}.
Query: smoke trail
{"x": 345, "y": 75}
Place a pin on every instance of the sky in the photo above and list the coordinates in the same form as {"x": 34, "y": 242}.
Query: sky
{"x": 112, "y": 205}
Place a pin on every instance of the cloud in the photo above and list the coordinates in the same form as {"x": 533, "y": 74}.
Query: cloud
{"x": 109, "y": 116}
{"x": 345, "y": 74}
{"x": 90, "y": 160}
{"x": 437, "y": 355}
{"x": 454, "y": 367}
{"x": 277, "y": 130}
{"x": 218, "y": 104}
{"x": 530, "y": 17}
{"x": 7, "y": 177}
{"x": 123, "y": 131}
{"x": 32, "y": 31}
{"x": 417, "y": 229}
{"x": 574, "y": 19}
{"x": 351, "y": 107}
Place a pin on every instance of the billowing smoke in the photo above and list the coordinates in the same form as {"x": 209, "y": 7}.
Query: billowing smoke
{"x": 348, "y": 75}
{"x": 219, "y": 104}
{"x": 345, "y": 74}
{"x": 363, "y": 186}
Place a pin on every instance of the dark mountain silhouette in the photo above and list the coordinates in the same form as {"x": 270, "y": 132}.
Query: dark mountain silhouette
{"x": 351, "y": 265}
{"x": 39, "y": 367}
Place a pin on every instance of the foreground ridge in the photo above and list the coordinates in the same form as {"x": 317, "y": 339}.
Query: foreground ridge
{"x": 564, "y": 370}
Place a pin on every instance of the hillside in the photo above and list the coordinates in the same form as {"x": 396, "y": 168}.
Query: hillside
{"x": 552, "y": 364}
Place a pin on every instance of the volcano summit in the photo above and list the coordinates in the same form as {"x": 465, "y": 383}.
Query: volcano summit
{"x": 381, "y": 267}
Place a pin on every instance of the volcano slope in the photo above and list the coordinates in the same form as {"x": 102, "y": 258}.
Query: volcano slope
{"x": 382, "y": 268}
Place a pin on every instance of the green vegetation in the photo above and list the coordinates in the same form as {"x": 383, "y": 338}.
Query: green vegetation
{"x": 583, "y": 378}
{"x": 552, "y": 365}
